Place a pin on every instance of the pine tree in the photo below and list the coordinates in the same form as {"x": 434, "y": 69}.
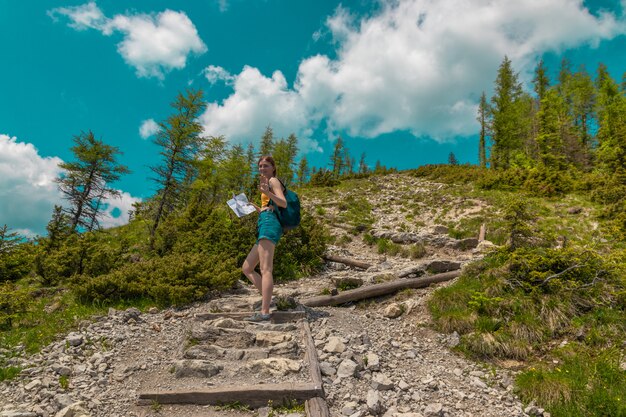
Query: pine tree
{"x": 452, "y": 159}
{"x": 15, "y": 262}
{"x": 506, "y": 110}
{"x": 251, "y": 182}
{"x": 303, "y": 171}
{"x": 267, "y": 142}
{"x": 337, "y": 158}
{"x": 582, "y": 97}
{"x": 551, "y": 126}
{"x": 483, "y": 114}
{"x": 8, "y": 240}
{"x": 84, "y": 181}
{"x": 285, "y": 152}
{"x": 611, "y": 108}
{"x": 541, "y": 82}
{"x": 363, "y": 169}
{"x": 180, "y": 140}
{"x": 58, "y": 229}
{"x": 207, "y": 187}
{"x": 234, "y": 170}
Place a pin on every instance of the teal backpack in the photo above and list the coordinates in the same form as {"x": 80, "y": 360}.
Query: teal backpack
{"x": 289, "y": 217}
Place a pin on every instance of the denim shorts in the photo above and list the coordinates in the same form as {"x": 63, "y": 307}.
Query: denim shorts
{"x": 268, "y": 227}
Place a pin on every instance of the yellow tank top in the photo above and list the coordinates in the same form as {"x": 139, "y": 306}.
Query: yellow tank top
{"x": 265, "y": 200}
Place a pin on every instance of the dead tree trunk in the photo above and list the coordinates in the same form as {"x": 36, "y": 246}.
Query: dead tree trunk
{"x": 377, "y": 290}
{"x": 347, "y": 261}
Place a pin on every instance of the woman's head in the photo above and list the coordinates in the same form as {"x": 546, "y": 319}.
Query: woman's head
{"x": 267, "y": 166}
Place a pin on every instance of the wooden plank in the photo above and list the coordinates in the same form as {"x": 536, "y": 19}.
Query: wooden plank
{"x": 251, "y": 395}
{"x": 311, "y": 355}
{"x": 316, "y": 407}
{"x": 347, "y": 261}
{"x": 278, "y": 317}
{"x": 377, "y": 290}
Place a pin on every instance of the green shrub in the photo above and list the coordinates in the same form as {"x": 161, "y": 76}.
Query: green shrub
{"x": 457, "y": 174}
{"x": 14, "y": 302}
{"x": 323, "y": 178}
{"x": 175, "y": 279}
{"x": 547, "y": 182}
{"x": 204, "y": 250}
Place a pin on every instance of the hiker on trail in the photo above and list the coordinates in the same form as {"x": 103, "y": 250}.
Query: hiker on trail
{"x": 269, "y": 231}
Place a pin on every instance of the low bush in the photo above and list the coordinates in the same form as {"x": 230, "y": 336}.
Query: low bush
{"x": 200, "y": 253}
{"x": 14, "y": 302}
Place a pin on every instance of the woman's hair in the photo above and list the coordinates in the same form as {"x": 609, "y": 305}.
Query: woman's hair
{"x": 268, "y": 158}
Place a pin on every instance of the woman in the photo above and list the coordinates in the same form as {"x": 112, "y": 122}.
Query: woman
{"x": 269, "y": 232}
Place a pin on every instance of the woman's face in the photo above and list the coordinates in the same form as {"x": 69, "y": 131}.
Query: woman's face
{"x": 266, "y": 169}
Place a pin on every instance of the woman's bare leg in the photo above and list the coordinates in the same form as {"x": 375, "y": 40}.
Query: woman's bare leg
{"x": 252, "y": 260}
{"x": 266, "y": 256}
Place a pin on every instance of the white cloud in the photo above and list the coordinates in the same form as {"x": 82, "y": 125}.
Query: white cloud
{"x": 116, "y": 210}
{"x": 28, "y": 192}
{"x": 153, "y": 44}
{"x": 257, "y": 101}
{"x": 223, "y": 5}
{"x": 416, "y": 65}
{"x": 215, "y": 74}
{"x": 148, "y": 128}
{"x": 86, "y": 16}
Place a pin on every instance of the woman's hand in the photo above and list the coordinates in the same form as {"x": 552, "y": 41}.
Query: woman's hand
{"x": 264, "y": 185}
{"x": 257, "y": 208}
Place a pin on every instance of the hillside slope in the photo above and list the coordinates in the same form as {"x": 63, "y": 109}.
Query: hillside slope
{"x": 378, "y": 356}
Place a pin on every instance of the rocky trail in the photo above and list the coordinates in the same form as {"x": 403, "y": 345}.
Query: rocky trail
{"x": 377, "y": 357}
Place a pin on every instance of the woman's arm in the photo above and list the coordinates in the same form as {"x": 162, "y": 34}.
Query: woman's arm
{"x": 278, "y": 196}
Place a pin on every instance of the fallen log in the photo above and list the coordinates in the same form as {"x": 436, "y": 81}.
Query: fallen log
{"x": 377, "y": 290}
{"x": 251, "y": 395}
{"x": 347, "y": 261}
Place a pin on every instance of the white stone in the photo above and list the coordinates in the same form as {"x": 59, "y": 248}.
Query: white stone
{"x": 373, "y": 401}
{"x": 381, "y": 382}
{"x": 334, "y": 345}
{"x": 393, "y": 311}
{"x": 347, "y": 368}
{"x": 35, "y": 384}
{"x": 433, "y": 410}
{"x": 373, "y": 361}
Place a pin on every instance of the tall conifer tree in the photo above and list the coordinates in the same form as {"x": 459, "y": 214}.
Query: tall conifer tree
{"x": 303, "y": 171}
{"x": 483, "y": 114}
{"x": 84, "y": 182}
{"x": 267, "y": 142}
{"x": 506, "y": 111}
{"x": 180, "y": 140}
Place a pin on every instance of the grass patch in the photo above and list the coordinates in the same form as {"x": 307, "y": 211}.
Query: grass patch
{"x": 585, "y": 384}
{"x": 9, "y": 372}
{"x": 520, "y": 304}
{"x": 64, "y": 382}
{"x": 37, "y": 328}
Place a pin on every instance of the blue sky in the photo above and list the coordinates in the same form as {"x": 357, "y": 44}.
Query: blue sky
{"x": 398, "y": 80}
